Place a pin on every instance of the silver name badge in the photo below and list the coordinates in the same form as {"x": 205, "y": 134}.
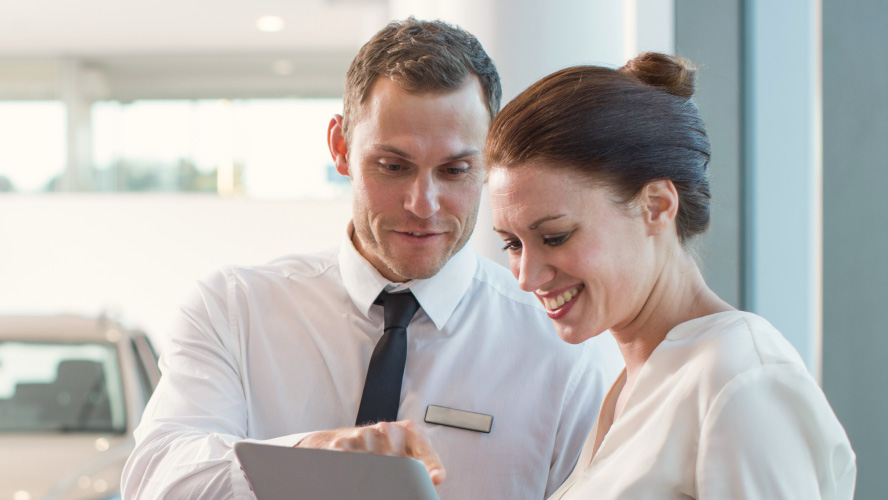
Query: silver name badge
{"x": 460, "y": 419}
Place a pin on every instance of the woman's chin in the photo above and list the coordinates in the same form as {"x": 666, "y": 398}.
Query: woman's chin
{"x": 573, "y": 335}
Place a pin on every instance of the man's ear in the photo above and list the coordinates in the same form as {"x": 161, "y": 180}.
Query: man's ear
{"x": 337, "y": 144}
{"x": 659, "y": 201}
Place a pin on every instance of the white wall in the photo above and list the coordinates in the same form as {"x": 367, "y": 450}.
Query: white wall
{"x": 140, "y": 254}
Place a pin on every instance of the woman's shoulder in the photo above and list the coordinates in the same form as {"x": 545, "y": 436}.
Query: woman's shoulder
{"x": 764, "y": 411}
{"x": 725, "y": 345}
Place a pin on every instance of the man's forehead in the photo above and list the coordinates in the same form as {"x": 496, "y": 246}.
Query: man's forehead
{"x": 451, "y": 123}
{"x": 413, "y": 89}
{"x": 385, "y": 89}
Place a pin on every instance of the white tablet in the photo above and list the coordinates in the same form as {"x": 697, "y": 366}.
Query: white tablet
{"x": 279, "y": 472}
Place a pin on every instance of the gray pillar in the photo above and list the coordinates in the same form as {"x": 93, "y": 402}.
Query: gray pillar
{"x": 855, "y": 230}
{"x": 710, "y": 35}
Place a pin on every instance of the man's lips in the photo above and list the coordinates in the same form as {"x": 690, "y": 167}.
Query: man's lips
{"x": 419, "y": 233}
{"x": 418, "y": 237}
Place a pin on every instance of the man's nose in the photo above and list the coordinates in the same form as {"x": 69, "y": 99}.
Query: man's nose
{"x": 422, "y": 197}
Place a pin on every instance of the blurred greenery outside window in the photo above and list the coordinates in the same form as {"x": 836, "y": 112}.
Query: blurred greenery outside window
{"x": 257, "y": 148}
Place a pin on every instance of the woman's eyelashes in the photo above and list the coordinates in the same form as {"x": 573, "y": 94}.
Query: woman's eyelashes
{"x": 512, "y": 246}
{"x": 551, "y": 241}
{"x": 556, "y": 240}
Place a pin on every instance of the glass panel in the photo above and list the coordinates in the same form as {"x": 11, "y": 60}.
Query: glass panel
{"x": 146, "y": 361}
{"x": 60, "y": 387}
{"x": 33, "y": 145}
{"x": 261, "y": 148}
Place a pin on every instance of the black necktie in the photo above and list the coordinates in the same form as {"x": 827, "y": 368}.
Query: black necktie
{"x": 382, "y": 387}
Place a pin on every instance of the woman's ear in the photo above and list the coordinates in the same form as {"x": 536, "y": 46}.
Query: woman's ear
{"x": 659, "y": 202}
{"x": 338, "y": 145}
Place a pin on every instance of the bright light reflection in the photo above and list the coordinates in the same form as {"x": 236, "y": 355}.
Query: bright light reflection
{"x": 100, "y": 485}
{"x": 84, "y": 482}
{"x": 102, "y": 444}
{"x": 270, "y": 24}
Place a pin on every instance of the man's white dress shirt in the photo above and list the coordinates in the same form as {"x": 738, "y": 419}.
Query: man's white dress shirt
{"x": 273, "y": 352}
{"x": 724, "y": 408}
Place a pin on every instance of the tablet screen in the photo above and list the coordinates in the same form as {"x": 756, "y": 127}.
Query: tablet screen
{"x": 279, "y": 472}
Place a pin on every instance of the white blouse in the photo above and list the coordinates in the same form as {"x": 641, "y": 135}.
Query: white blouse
{"x": 723, "y": 408}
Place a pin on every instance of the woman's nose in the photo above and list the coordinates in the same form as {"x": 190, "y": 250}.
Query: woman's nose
{"x": 531, "y": 270}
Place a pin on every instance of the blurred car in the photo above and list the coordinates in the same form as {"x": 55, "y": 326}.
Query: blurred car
{"x": 72, "y": 389}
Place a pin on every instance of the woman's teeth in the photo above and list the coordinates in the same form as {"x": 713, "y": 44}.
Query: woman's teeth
{"x": 557, "y": 302}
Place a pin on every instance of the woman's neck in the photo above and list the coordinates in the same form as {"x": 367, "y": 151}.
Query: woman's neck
{"x": 679, "y": 294}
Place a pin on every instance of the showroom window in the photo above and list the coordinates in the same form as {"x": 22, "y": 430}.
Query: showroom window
{"x": 32, "y": 145}
{"x": 259, "y": 148}
{"x": 252, "y": 148}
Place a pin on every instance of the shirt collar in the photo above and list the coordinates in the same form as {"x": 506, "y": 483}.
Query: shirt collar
{"x": 438, "y": 296}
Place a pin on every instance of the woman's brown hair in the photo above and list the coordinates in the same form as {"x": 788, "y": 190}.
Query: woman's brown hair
{"x": 624, "y": 127}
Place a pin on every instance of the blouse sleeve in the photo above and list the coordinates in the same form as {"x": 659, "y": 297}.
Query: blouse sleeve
{"x": 770, "y": 433}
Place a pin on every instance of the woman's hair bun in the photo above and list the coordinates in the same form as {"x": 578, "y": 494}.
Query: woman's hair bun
{"x": 673, "y": 74}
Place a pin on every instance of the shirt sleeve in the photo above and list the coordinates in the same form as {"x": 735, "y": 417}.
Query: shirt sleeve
{"x": 184, "y": 443}
{"x": 770, "y": 433}
{"x": 596, "y": 370}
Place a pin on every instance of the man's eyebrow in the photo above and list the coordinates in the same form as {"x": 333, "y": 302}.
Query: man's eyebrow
{"x": 537, "y": 223}
{"x": 403, "y": 154}
{"x": 393, "y": 150}
{"x": 463, "y": 154}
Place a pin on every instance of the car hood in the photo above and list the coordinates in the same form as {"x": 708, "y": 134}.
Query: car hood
{"x": 53, "y": 466}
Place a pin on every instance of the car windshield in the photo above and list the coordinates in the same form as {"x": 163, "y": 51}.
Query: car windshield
{"x": 58, "y": 387}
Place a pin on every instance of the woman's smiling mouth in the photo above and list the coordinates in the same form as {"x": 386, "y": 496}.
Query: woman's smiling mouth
{"x": 558, "y": 301}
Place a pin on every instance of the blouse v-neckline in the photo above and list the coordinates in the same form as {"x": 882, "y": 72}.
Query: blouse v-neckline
{"x": 606, "y": 415}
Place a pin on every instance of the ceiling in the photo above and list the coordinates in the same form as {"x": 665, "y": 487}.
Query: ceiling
{"x": 107, "y": 27}
{"x": 130, "y": 49}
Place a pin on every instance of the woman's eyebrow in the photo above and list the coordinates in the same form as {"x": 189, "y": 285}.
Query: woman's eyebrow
{"x": 537, "y": 223}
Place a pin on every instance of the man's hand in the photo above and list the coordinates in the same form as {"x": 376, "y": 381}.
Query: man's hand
{"x": 400, "y": 438}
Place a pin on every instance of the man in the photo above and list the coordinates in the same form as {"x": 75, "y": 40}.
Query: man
{"x": 287, "y": 353}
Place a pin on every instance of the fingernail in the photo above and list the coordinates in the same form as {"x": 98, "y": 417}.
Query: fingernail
{"x": 436, "y": 476}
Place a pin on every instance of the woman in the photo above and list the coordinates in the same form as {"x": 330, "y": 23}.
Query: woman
{"x": 598, "y": 185}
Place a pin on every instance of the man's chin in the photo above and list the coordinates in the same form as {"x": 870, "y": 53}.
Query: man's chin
{"x": 416, "y": 267}
{"x": 418, "y": 272}
{"x": 419, "y": 263}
